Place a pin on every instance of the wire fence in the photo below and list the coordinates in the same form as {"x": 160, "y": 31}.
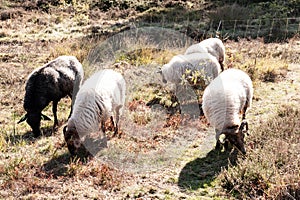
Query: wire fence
{"x": 271, "y": 30}
{"x": 276, "y": 29}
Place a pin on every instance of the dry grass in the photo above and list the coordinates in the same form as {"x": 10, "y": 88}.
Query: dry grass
{"x": 158, "y": 155}
{"x": 271, "y": 167}
{"x": 263, "y": 62}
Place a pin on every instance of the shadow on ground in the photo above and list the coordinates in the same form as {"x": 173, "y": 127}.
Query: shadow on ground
{"x": 57, "y": 166}
{"x": 29, "y": 136}
{"x": 201, "y": 172}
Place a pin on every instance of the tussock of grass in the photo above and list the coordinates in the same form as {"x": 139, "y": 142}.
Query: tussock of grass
{"x": 265, "y": 70}
{"x": 145, "y": 56}
{"x": 260, "y": 62}
{"x": 271, "y": 167}
{"x": 75, "y": 47}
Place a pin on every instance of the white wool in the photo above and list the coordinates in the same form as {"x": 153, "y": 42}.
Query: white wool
{"x": 225, "y": 97}
{"x": 214, "y": 46}
{"x": 173, "y": 71}
{"x": 99, "y": 98}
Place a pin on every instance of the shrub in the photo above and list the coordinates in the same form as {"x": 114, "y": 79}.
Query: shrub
{"x": 271, "y": 168}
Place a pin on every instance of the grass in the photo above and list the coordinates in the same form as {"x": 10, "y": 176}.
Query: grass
{"x": 158, "y": 155}
{"x": 271, "y": 168}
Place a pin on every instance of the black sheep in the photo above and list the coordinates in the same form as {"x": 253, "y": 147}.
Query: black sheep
{"x": 51, "y": 82}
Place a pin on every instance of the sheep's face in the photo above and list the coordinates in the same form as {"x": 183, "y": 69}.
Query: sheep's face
{"x": 74, "y": 143}
{"x": 235, "y": 135}
{"x": 161, "y": 72}
{"x": 34, "y": 121}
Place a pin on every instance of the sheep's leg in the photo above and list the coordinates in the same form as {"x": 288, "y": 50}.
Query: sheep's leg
{"x": 54, "y": 110}
{"x": 114, "y": 125}
{"x": 226, "y": 145}
{"x": 222, "y": 65}
{"x": 103, "y": 125}
{"x": 244, "y": 112}
{"x": 117, "y": 117}
{"x": 218, "y": 144}
{"x": 112, "y": 121}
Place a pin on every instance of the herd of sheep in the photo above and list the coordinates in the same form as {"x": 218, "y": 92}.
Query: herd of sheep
{"x": 227, "y": 94}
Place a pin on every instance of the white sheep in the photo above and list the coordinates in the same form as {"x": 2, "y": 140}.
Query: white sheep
{"x": 178, "y": 66}
{"x": 224, "y": 99}
{"x": 214, "y": 46}
{"x": 100, "y": 97}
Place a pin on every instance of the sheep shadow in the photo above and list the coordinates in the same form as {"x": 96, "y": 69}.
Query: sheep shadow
{"x": 28, "y": 136}
{"x": 57, "y": 166}
{"x": 202, "y": 171}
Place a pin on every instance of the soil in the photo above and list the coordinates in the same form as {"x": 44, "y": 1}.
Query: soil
{"x": 159, "y": 158}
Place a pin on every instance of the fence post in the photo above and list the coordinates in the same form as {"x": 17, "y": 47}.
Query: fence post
{"x": 286, "y": 28}
{"x": 234, "y": 27}
{"x": 271, "y": 28}
{"x": 211, "y": 25}
{"x": 245, "y": 34}
{"x": 258, "y": 31}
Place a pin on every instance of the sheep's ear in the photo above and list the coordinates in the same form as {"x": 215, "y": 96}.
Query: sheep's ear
{"x": 243, "y": 124}
{"x": 22, "y": 119}
{"x": 65, "y": 129}
{"x": 44, "y": 117}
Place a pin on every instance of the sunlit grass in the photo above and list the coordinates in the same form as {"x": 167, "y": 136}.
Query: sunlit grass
{"x": 43, "y": 168}
{"x": 271, "y": 168}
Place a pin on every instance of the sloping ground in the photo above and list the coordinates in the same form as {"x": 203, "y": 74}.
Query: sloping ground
{"x": 166, "y": 159}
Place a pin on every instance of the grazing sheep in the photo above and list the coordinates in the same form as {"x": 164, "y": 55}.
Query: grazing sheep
{"x": 214, "y": 46}
{"x": 51, "y": 82}
{"x": 224, "y": 99}
{"x": 100, "y": 97}
{"x": 178, "y": 66}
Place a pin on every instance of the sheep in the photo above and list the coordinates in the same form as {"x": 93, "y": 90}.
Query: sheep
{"x": 178, "y": 66}
{"x": 214, "y": 46}
{"x": 51, "y": 82}
{"x": 100, "y": 97}
{"x": 224, "y": 99}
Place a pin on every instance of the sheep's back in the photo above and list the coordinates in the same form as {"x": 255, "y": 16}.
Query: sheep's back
{"x": 97, "y": 98}
{"x": 108, "y": 84}
{"x": 178, "y": 65}
{"x": 215, "y": 47}
{"x": 243, "y": 79}
{"x": 224, "y": 98}
{"x": 40, "y": 89}
{"x": 52, "y": 81}
{"x": 195, "y": 48}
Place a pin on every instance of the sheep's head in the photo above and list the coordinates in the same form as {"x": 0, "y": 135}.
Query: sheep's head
{"x": 160, "y": 71}
{"x": 75, "y": 146}
{"x": 34, "y": 121}
{"x": 236, "y": 134}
